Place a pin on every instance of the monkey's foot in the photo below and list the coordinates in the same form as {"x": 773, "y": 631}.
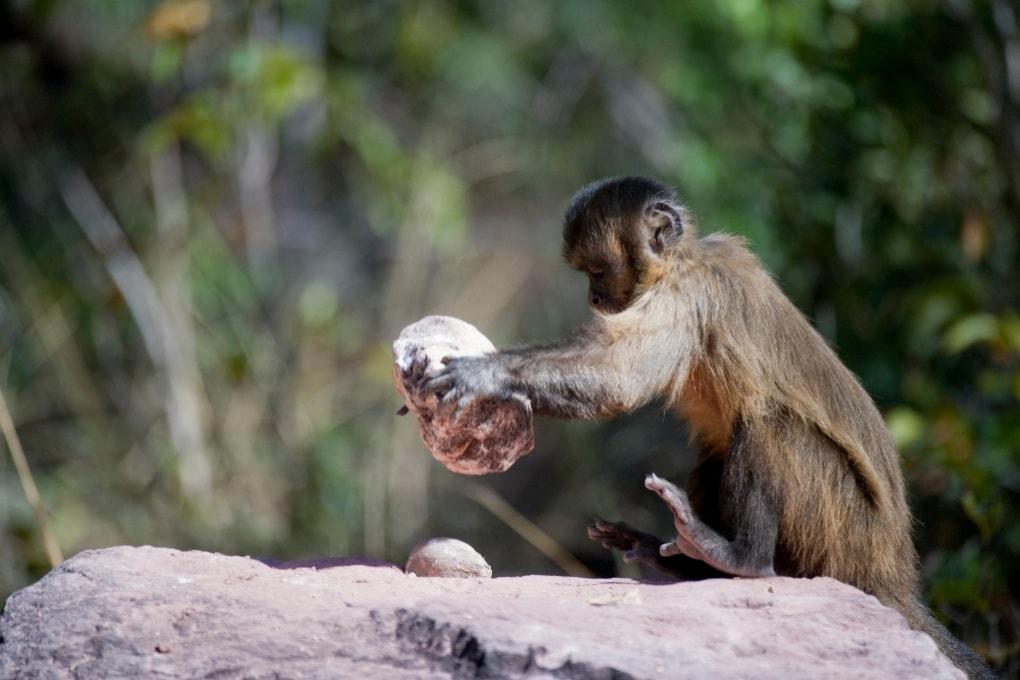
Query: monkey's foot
{"x": 697, "y": 540}
{"x": 673, "y": 496}
{"x": 684, "y": 520}
{"x": 635, "y": 545}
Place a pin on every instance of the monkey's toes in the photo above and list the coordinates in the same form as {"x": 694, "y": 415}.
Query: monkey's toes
{"x": 681, "y": 546}
{"x": 654, "y": 482}
{"x": 674, "y": 497}
{"x": 670, "y": 549}
{"x": 666, "y": 490}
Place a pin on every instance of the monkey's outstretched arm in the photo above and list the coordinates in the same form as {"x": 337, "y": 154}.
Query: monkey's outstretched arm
{"x": 587, "y": 377}
{"x": 596, "y": 374}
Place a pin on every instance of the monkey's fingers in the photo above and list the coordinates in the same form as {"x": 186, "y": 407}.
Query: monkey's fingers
{"x": 606, "y": 534}
{"x": 620, "y": 536}
{"x": 462, "y": 405}
{"x": 416, "y": 369}
{"x": 452, "y": 403}
{"x": 674, "y": 498}
{"x": 603, "y": 526}
{"x": 440, "y": 384}
{"x": 453, "y": 360}
{"x": 600, "y": 526}
{"x": 457, "y": 400}
{"x": 449, "y": 402}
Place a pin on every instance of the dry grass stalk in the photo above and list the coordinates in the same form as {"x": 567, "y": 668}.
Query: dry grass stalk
{"x": 53, "y": 552}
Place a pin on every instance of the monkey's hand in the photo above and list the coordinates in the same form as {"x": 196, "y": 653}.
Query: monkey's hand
{"x": 635, "y": 545}
{"x": 466, "y": 378}
{"x": 411, "y": 376}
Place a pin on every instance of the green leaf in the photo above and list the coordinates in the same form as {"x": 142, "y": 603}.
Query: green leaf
{"x": 905, "y": 425}
{"x": 969, "y": 331}
{"x": 166, "y": 61}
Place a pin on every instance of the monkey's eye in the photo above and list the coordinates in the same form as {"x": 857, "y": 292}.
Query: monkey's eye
{"x": 597, "y": 274}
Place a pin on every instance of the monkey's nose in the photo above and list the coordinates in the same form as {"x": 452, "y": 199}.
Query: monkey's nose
{"x": 594, "y": 300}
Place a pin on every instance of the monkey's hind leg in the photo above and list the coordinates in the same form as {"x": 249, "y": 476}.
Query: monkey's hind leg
{"x": 643, "y": 548}
{"x": 751, "y": 554}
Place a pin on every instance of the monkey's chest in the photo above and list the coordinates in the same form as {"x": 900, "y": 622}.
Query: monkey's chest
{"x": 706, "y": 413}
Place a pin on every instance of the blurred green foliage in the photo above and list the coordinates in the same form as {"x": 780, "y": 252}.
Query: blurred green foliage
{"x": 214, "y": 217}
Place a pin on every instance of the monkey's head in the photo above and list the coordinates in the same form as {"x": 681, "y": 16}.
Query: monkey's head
{"x": 621, "y": 233}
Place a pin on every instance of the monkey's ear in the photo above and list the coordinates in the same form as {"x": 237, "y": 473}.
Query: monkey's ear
{"x": 667, "y": 224}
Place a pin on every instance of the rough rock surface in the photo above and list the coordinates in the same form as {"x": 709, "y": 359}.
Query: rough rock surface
{"x": 488, "y": 435}
{"x": 447, "y": 557}
{"x": 159, "y": 613}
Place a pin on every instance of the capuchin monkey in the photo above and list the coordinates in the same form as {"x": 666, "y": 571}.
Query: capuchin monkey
{"x": 796, "y": 473}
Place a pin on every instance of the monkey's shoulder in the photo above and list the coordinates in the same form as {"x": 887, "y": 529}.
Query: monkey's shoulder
{"x": 720, "y": 247}
{"x": 732, "y": 262}
{"x": 722, "y": 240}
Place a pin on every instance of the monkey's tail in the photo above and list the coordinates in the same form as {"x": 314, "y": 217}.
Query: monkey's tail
{"x": 962, "y": 656}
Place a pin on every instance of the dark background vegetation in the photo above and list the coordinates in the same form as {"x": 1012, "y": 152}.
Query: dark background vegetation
{"x": 216, "y": 216}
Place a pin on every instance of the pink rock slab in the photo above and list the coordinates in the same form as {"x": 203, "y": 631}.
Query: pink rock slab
{"x": 157, "y": 613}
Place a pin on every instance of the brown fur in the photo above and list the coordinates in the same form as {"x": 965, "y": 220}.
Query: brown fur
{"x": 844, "y": 512}
{"x": 797, "y": 473}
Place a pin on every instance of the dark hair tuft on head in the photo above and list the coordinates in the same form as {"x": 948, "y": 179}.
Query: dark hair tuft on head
{"x": 622, "y": 194}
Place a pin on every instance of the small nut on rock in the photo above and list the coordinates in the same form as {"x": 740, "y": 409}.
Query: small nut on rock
{"x": 447, "y": 557}
{"x": 489, "y": 435}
